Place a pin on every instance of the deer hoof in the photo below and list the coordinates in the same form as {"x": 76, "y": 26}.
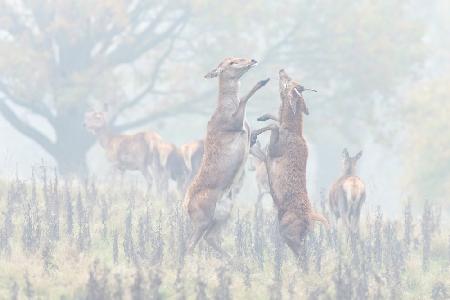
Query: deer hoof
{"x": 253, "y": 139}
{"x": 263, "y": 82}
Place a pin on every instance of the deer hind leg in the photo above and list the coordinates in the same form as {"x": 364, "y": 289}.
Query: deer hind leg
{"x": 294, "y": 233}
{"x": 318, "y": 217}
{"x": 356, "y": 212}
{"x": 148, "y": 177}
{"x": 201, "y": 208}
{"x": 163, "y": 184}
{"x": 199, "y": 231}
{"x": 213, "y": 238}
{"x": 121, "y": 172}
{"x": 260, "y": 193}
{"x": 343, "y": 209}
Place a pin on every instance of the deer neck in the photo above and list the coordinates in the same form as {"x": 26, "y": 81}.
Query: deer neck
{"x": 350, "y": 171}
{"x": 228, "y": 94}
{"x": 289, "y": 120}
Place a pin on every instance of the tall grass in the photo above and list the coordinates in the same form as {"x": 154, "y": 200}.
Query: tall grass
{"x": 70, "y": 240}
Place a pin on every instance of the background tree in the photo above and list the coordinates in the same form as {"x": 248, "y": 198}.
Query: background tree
{"x": 357, "y": 54}
{"x": 147, "y": 58}
{"x": 57, "y": 56}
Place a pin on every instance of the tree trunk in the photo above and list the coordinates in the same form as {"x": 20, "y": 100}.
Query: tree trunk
{"x": 72, "y": 144}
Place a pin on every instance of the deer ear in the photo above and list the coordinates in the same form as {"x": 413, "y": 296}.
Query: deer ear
{"x": 345, "y": 154}
{"x": 358, "y": 156}
{"x": 214, "y": 73}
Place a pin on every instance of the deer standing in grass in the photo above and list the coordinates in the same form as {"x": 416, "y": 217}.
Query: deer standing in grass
{"x": 126, "y": 152}
{"x": 348, "y": 194}
{"x": 258, "y": 165}
{"x": 286, "y": 160}
{"x": 208, "y": 200}
{"x": 170, "y": 165}
{"x": 192, "y": 155}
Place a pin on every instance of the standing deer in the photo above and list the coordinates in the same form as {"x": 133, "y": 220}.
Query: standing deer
{"x": 258, "y": 165}
{"x": 126, "y": 152}
{"x": 170, "y": 165}
{"x": 192, "y": 155}
{"x": 286, "y": 160}
{"x": 208, "y": 200}
{"x": 348, "y": 193}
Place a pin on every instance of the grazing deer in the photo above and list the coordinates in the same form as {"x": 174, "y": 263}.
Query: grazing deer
{"x": 126, "y": 152}
{"x": 226, "y": 150}
{"x": 348, "y": 193}
{"x": 258, "y": 165}
{"x": 286, "y": 160}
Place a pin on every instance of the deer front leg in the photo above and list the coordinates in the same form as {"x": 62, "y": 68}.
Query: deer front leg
{"x": 259, "y": 154}
{"x": 257, "y": 86}
{"x": 239, "y": 114}
{"x": 266, "y": 117}
{"x": 255, "y": 133}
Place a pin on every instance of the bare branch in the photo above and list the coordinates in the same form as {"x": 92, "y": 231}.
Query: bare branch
{"x": 25, "y": 128}
{"x": 184, "y": 107}
{"x": 271, "y": 50}
{"x": 35, "y": 107}
{"x": 127, "y": 54}
{"x": 155, "y": 74}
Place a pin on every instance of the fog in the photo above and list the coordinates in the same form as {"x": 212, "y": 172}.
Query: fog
{"x": 128, "y": 171}
{"x": 381, "y": 70}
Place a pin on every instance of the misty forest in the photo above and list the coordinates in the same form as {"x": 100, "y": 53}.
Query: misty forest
{"x": 224, "y": 149}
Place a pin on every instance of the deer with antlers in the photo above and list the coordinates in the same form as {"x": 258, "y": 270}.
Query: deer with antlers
{"x": 126, "y": 152}
{"x": 348, "y": 193}
{"x": 209, "y": 198}
{"x": 286, "y": 159}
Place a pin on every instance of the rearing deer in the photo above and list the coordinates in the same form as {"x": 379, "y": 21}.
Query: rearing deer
{"x": 286, "y": 160}
{"x": 226, "y": 150}
{"x": 348, "y": 193}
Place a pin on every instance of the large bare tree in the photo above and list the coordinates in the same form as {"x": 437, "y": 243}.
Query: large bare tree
{"x": 58, "y": 56}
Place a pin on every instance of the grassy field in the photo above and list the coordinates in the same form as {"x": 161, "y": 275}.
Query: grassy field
{"x": 61, "y": 240}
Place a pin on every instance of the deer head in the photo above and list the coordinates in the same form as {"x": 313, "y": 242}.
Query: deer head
{"x": 291, "y": 92}
{"x": 232, "y": 68}
{"x": 95, "y": 121}
{"x": 350, "y": 162}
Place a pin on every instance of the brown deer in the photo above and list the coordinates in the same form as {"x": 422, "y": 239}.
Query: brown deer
{"x": 170, "y": 165}
{"x": 192, "y": 156}
{"x": 226, "y": 150}
{"x": 286, "y": 160}
{"x": 258, "y": 165}
{"x": 126, "y": 152}
{"x": 348, "y": 193}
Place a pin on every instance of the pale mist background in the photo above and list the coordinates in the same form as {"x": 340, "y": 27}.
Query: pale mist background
{"x": 382, "y": 69}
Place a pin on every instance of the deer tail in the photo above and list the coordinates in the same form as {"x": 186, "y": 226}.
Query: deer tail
{"x": 318, "y": 217}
